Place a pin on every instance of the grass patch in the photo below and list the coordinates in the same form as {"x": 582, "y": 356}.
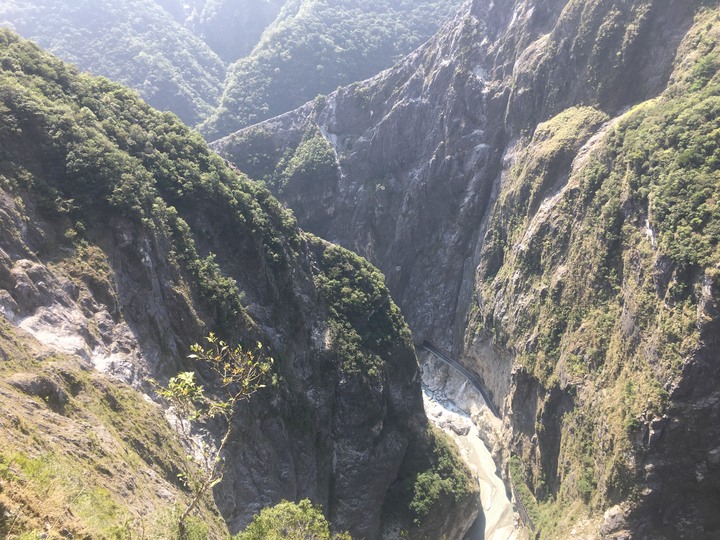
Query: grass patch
{"x": 97, "y": 469}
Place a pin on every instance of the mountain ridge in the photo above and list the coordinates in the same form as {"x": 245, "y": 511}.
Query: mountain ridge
{"x": 128, "y": 240}
{"x": 204, "y": 60}
{"x": 480, "y": 175}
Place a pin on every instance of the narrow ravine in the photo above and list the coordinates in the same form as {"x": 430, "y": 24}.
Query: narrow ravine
{"x": 453, "y": 405}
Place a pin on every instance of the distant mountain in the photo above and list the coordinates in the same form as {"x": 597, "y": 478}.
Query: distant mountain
{"x": 315, "y": 46}
{"x": 275, "y": 54}
{"x": 231, "y": 28}
{"x": 134, "y": 42}
{"x": 540, "y": 184}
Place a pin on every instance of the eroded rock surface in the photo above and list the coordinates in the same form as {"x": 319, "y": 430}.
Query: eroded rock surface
{"x": 505, "y": 179}
{"x": 128, "y": 241}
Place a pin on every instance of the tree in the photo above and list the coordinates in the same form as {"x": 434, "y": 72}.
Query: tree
{"x": 290, "y": 521}
{"x": 240, "y": 373}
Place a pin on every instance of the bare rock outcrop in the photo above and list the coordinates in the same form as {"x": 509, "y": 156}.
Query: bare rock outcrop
{"x": 504, "y": 178}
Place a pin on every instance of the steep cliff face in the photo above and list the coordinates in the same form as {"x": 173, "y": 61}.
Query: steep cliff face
{"x": 125, "y": 240}
{"x": 419, "y": 147}
{"x": 599, "y": 274}
{"x": 538, "y": 185}
{"x": 355, "y": 168}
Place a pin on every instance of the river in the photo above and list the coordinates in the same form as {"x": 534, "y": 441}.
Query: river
{"x": 451, "y": 403}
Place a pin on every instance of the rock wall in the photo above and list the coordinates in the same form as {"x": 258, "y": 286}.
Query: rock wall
{"x": 484, "y": 176}
{"x": 420, "y": 149}
{"x": 129, "y": 240}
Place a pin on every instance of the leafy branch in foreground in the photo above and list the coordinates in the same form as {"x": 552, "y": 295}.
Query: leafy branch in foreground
{"x": 241, "y": 373}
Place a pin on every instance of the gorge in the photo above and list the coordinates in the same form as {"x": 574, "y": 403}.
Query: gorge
{"x": 536, "y": 185}
{"x": 520, "y": 181}
{"x": 127, "y": 241}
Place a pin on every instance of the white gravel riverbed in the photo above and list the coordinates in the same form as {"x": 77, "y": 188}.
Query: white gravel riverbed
{"x": 500, "y": 521}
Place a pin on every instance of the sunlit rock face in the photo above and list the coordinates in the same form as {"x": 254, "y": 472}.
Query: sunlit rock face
{"x": 418, "y": 152}
{"x": 126, "y": 240}
{"x": 504, "y": 178}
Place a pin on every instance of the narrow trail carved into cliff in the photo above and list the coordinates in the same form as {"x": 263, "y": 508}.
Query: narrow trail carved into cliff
{"x": 471, "y": 377}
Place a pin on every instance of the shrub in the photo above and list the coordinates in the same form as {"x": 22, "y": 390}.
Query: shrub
{"x": 290, "y": 521}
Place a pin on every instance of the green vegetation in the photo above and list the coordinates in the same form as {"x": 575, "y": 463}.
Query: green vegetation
{"x": 94, "y": 507}
{"x": 522, "y": 491}
{"x": 432, "y": 482}
{"x": 443, "y": 478}
{"x": 120, "y": 188}
{"x": 365, "y": 324}
{"x": 307, "y": 162}
{"x": 133, "y": 42}
{"x": 239, "y": 373}
{"x": 554, "y": 144}
{"x": 313, "y": 161}
{"x": 285, "y": 51}
{"x": 97, "y": 467}
{"x": 316, "y": 46}
{"x": 260, "y": 157}
{"x": 673, "y": 157}
{"x": 290, "y": 521}
{"x": 111, "y": 154}
{"x": 611, "y": 279}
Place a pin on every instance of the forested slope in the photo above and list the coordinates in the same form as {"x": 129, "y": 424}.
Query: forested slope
{"x": 539, "y": 184}
{"x": 237, "y": 62}
{"x": 125, "y": 240}
{"x": 134, "y": 42}
{"x": 315, "y": 46}
{"x": 231, "y": 28}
